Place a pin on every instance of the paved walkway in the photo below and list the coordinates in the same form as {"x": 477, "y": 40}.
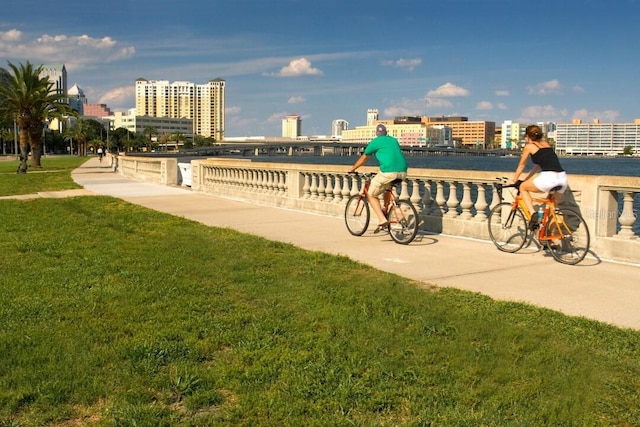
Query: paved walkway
{"x": 605, "y": 291}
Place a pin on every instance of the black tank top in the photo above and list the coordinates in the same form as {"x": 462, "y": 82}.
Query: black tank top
{"x": 547, "y": 159}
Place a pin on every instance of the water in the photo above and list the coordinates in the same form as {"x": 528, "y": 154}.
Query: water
{"x": 620, "y": 166}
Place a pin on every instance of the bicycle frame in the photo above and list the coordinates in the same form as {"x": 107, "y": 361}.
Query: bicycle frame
{"x": 550, "y": 216}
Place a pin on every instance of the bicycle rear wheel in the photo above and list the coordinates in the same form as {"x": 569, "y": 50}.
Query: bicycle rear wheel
{"x": 570, "y": 236}
{"x": 507, "y": 227}
{"x": 356, "y": 215}
{"x": 403, "y": 222}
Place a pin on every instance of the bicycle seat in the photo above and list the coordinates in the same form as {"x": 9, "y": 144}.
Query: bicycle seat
{"x": 397, "y": 181}
{"x": 554, "y": 189}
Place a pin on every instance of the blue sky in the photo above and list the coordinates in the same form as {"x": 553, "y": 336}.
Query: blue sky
{"x": 334, "y": 59}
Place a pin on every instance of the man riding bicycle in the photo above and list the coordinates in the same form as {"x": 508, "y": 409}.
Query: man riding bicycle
{"x": 393, "y": 165}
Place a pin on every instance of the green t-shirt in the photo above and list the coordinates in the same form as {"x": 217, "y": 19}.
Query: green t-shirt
{"x": 388, "y": 153}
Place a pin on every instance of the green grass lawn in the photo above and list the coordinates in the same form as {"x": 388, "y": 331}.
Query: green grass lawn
{"x": 54, "y": 175}
{"x": 116, "y": 315}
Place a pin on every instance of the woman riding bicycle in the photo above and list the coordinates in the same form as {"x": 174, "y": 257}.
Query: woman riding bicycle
{"x": 546, "y": 161}
{"x": 393, "y": 165}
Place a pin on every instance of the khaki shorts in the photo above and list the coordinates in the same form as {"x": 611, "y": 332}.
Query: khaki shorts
{"x": 382, "y": 181}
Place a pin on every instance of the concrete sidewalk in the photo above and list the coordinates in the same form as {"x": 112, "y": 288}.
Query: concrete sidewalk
{"x": 604, "y": 291}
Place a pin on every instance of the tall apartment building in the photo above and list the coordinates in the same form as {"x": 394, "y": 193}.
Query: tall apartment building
{"x": 291, "y": 126}
{"x": 204, "y": 104}
{"x": 597, "y": 138}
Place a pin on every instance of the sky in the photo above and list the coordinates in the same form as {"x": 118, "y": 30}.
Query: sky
{"x": 324, "y": 60}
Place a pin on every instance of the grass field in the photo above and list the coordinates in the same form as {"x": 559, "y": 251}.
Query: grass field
{"x": 54, "y": 175}
{"x": 115, "y": 315}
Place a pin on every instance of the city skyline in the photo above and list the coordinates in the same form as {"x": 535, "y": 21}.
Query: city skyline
{"x": 491, "y": 60}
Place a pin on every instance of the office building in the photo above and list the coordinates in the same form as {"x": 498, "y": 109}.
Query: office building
{"x": 291, "y": 126}
{"x": 57, "y": 75}
{"x": 474, "y": 134}
{"x": 204, "y": 104}
{"x": 77, "y": 99}
{"x": 372, "y": 116}
{"x": 96, "y": 110}
{"x": 162, "y": 125}
{"x": 512, "y": 135}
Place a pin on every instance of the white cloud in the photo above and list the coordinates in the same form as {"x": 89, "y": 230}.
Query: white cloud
{"x": 409, "y": 64}
{"x": 538, "y": 113}
{"x": 502, "y": 92}
{"x": 484, "y": 105}
{"x": 232, "y": 110}
{"x": 501, "y": 106}
{"x": 297, "y": 67}
{"x": 11, "y": 36}
{"x": 607, "y": 116}
{"x": 578, "y": 89}
{"x": 448, "y": 90}
{"x": 437, "y": 103}
{"x": 546, "y": 88}
{"x": 277, "y": 117}
{"x": 296, "y": 100}
{"x": 118, "y": 97}
{"x": 76, "y": 52}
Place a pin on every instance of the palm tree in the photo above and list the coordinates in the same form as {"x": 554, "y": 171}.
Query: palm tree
{"x": 150, "y": 132}
{"x": 81, "y": 132}
{"x": 29, "y": 100}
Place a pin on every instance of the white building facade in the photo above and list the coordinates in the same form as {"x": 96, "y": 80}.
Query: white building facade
{"x": 291, "y": 126}
{"x": 607, "y": 139}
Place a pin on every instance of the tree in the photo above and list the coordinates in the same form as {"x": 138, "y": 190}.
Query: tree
{"x": 30, "y": 100}
{"x": 149, "y": 132}
{"x": 81, "y": 132}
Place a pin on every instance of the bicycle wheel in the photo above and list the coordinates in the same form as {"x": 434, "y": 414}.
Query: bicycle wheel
{"x": 403, "y": 222}
{"x": 507, "y": 227}
{"x": 356, "y": 215}
{"x": 570, "y": 236}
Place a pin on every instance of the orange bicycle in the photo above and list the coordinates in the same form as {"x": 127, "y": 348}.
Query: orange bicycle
{"x": 561, "y": 231}
{"x": 400, "y": 214}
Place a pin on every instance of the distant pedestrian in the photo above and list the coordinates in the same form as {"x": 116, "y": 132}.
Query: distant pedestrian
{"x": 100, "y": 154}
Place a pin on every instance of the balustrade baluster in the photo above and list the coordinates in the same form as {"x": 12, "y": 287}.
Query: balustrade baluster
{"x": 466, "y": 203}
{"x": 627, "y": 218}
{"x": 306, "y": 188}
{"x": 321, "y": 187}
{"x": 438, "y": 208}
{"x": 452, "y": 202}
{"x": 427, "y": 199}
{"x": 337, "y": 189}
{"x": 481, "y": 202}
{"x": 314, "y": 186}
{"x": 415, "y": 197}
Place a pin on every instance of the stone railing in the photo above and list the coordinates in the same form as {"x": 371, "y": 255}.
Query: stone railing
{"x": 157, "y": 170}
{"x": 451, "y": 202}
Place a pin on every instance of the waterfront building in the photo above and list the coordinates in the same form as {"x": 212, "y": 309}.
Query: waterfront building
{"x": 597, "y": 139}
{"x": 477, "y": 134}
{"x": 204, "y": 104}
{"x": 291, "y": 126}
{"x": 512, "y": 134}
{"x": 338, "y": 126}
{"x": 163, "y": 125}
{"x": 407, "y": 134}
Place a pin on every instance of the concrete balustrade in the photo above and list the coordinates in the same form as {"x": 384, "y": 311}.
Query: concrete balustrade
{"x": 451, "y": 202}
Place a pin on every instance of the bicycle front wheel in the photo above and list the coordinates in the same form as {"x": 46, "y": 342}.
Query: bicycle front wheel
{"x": 356, "y": 215}
{"x": 403, "y": 222}
{"x": 569, "y": 236}
{"x": 507, "y": 227}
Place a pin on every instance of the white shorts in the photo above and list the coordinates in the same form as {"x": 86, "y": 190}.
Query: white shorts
{"x": 546, "y": 181}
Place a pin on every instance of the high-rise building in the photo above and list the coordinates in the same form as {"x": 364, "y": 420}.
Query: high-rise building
{"x": 57, "y": 75}
{"x": 204, "y": 104}
{"x": 96, "y": 110}
{"x": 372, "y": 116}
{"x": 337, "y": 126}
{"x": 291, "y": 126}
{"x": 77, "y": 99}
